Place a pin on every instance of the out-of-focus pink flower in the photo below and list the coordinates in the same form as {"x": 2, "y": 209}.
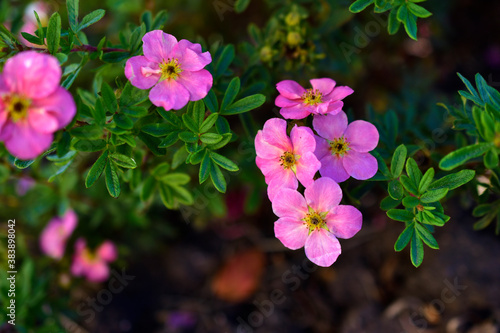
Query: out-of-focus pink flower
{"x": 175, "y": 70}
{"x": 323, "y": 98}
{"x": 284, "y": 159}
{"x": 30, "y": 23}
{"x": 56, "y": 233}
{"x": 32, "y": 104}
{"x": 24, "y": 184}
{"x": 315, "y": 221}
{"x": 344, "y": 150}
{"x": 93, "y": 266}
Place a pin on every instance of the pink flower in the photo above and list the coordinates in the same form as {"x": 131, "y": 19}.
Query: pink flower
{"x": 32, "y": 104}
{"x": 56, "y": 233}
{"x": 344, "y": 150}
{"x": 323, "y": 98}
{"x": 284, "y": 159}
{"x": 174, "y": 70}
{"x": 30, "y": 23}
{"x": 315, "y": 221}
{"x": 94, "y": 266}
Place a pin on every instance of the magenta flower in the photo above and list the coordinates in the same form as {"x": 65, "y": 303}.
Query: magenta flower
{"x": 315, "y": 221}
{"x": 284, "y": 159}
{"x": 56, "y": 233}
{"x": 32, "y": 104}
{"x": 174, "y": 70}
{"x": 94, "y": 266}
{"x": 344, "y": 150}
{"x": 323, "y": 98}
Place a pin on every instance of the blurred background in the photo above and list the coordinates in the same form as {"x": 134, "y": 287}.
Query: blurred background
{"x": 216, "y": 266}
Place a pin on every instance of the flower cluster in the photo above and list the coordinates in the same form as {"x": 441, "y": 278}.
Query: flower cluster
{"x": 337, "y": 150}
{"x": 93, "y": 266}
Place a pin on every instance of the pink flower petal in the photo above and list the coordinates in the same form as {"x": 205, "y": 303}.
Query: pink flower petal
{"x": 325, "y": 85}
{"x": 269, "y": 168}
{"x": 52, "y": 241}
{"x": 190, "y": 56}
{"x": 322, "y": 248}
{"x": 283, "y": 179}
{"x": 361, "y": 166}
{"x": 69, "y": 222}
{"x": 290, "y": 89}
{"x": 322, "y": 147}
{"x": 169, "y": 94}
{"x": 302, "y": 140}
{"x": 158, "y": 46}
{"x": 42, "y": 121}
{"x": 141, "y": 72}
{"x": 290, "y": 203}
{"x": 344, "y": 221}
{"x": 362, "y": 136}
{"x": 307, "y": 166}
{"x": 323, "y": 194}
{"x": 333, "y": 167}
{"x": 298, "y": 111}
{"x": 265, "y": 150}
{"x": 25, "y": 143}
{"x": 330, "y": 126}
{"x": 60, "y": 105}
{"x": 31, "y": 74}
{"x": 335, "y": 107}
{"x": 284, "y": 102}
{"x": 291, "y": 232}
{"x": 321, "y": 109}
{"x": 274, "y": 133}
{"x": 339, "y": 93}
{"x": 97, "y": 272}
{"x": 3, "y": 119}
{"x": 107, "y": 251}
{"x": 197, "y": 83}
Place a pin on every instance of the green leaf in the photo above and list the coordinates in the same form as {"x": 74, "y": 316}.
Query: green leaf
{"x": 112, "y": 180}
{"x": 395, "y": 189}
{"x": 404, "y": 237}
{"x": 389, "y": 203}
{"x": 109, "y": 98}
{"x": 393, "y": 23}
{"x": 419, "y": 11}
{"x": 398, "y": 161}
{"x": 54, "y": 33}
{"x": 96, "y": 170}
{"x": 222, "y": 126}
{"x": 32, "y": 39}
{"x": 359, "y": 5}
{"x": 424, "y": 234}
{"x": 481, "y": 210}
{"x": 413, "y": 171}
{"x": 98, "y": 113}
{"x": 198, "y": 113}
{"x": 175, "y": 178}
{"x": 462, "y": 155}
{"x": 123, "y": 161}
{"x": 91, "y": 18}
{"x": 169, "y": 140}
{"x": 166, "y": 195}
{"x": 454, "y": 180}
{"x": 208, "y": 123}
{"x": 188, "y": 137}
{"x": 204, "y": 168}
{"x": 182, "y": 195}
{"x": 64, "y": 144}
{"x": 241, "y": 5}
{"x": 232, "y": 90}
{"x": 482, "y": 87}
{"x": 225, "y": 59}
{"x": 426, "y": 180}
{"x": 401, "y": 215}
{"x": 133, "y": 96}
{"x": 179, "y": 157}
{"x": 417, "y": 250}
{"x": 408, "y": 184}
{"x": 152, "y": 143}
{"x": 488, "y": 125}
{"x": 217, "y": 178}
{"x": 148, "y": 188}
{"x": 409, "y": 21}
{"x": 382, "y": 167}
{"x": 123, "y": 121}
{"x": 211, "y": 102}
{"x": 89, "y": 132}
{"x": 211, "y": 138}
{"x": 432, "y": 219}
{"x": 190, "y": 123}
{"x": 470, "y": 87}
{"x": 434, "y": 195}
{"x": 73, "y": 13}
{"x": 161, "y": 170}
{"x": 224, "y": 162}
{"x": 134, "y": 111}
{"x": 90, "y": 145}
{"x": 485, "y": 221}
{"x": 158, "y": 129}
{"x": 411, "y": 202}
{"x": 491, "y": 159}
{"x": 245, "y": 104}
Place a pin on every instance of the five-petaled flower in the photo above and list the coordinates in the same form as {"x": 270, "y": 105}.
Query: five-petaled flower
{"x": 32, "y": 104}
{"x": 284, "y": 159}
{"x": 316, "y": 221}
{"x": 56, "y": 233}
{"x": 323, "y": 98}
{"x": 175, "y": 70}
{"x": 94, "y": 266}
{"x": 344, "y": 150}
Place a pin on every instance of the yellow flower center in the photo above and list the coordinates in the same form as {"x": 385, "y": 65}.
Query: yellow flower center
{"x": 170, "y": 69}
{"x": 287, "y": 160}
{"x": 16, "y": 106}
{"x": 315, "y": 220}
{"x": 312, "y": 97}
{"x": 339, "y": 147}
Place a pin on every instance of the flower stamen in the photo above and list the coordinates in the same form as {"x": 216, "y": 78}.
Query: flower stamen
{"x": 312, "y": 97}
{"x": 287, "y": 160}
{"x": 16, "y": 106}
{"x": 170, "y": 69}
{"x": 339, "y": 147}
